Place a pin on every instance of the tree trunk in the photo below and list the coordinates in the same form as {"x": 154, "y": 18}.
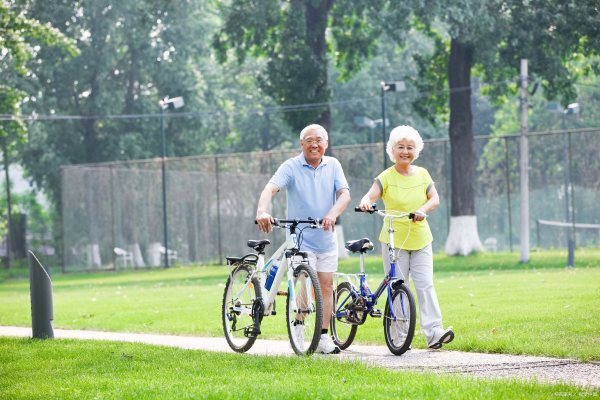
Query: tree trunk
{"x": 316, "y": 26}
{"x": 463, "y": 237}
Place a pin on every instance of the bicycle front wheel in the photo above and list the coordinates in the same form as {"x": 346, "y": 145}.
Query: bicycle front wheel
{"x": 399, "y": 320}
{"x": 241, "y": 290}
{"x": 343, "y": 330}
{"x": 304, "y": 310}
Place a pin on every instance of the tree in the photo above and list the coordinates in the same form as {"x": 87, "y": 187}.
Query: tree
{"x": 489, "y": 39}
{"x": 20, "y": 41}
{"x": 292, "y": 38}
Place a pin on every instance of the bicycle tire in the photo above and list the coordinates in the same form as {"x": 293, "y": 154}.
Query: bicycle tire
{"x": 306, "y": 288}
{"x": 399, "y": 332}
{"x": 342, "y": 331}
{"x": 234, "y": 323}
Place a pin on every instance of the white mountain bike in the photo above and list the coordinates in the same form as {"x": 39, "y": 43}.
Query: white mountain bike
{"x": 253, "y": 285}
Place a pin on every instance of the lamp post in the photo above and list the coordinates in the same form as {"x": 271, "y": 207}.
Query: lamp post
{"x": 172, "y": 104}
{"x": 397, "y": 86}
{"x": 572, "y": 109}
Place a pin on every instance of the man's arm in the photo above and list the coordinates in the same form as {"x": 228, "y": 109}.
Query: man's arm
{"x": 263, "y": 218}
{"x": 341, "y": 202}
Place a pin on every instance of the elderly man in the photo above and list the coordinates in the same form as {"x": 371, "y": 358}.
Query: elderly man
{"x": 316, "y": 187}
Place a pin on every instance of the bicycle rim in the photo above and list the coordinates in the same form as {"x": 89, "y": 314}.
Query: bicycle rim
{"x": 240, "y": 292}
{"x": 399, "y": 320}
{"x": 304, "y": 305}
{"x": 343, "y": 332}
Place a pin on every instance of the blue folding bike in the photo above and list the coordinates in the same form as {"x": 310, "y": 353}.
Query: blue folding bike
{"x": 353, "y": 304}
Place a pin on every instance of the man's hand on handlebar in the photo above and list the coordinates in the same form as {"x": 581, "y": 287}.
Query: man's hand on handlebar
{"x": 327, "y": 222}
{"x": 265, "y": 222}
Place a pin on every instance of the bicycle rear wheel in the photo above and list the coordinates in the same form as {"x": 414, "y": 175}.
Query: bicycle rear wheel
{"x": 342, "y": 330}
{"x": 399, "y": 325}
{"x": 304, "y": 310}
{"x": 241, "y": 290}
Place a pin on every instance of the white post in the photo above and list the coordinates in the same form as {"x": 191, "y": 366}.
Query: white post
{"x": 524, "y": 166}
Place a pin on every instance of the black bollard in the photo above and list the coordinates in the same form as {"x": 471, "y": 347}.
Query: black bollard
{"x": 40, "y": 288}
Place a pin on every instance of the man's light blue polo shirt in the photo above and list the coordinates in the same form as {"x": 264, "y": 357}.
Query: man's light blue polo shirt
{"x": 311, "y": 192}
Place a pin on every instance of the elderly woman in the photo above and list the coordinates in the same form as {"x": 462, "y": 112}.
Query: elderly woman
{"x": 406, "y": 187}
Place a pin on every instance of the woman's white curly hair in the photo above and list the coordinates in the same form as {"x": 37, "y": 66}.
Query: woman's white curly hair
{"x": 404, "y": 132}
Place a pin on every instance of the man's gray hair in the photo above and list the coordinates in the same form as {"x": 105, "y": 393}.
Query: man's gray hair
{"x": 404, "y": 132}
{"x": 314, "y": 127}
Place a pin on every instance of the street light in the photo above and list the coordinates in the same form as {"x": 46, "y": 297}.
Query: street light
{"x": 572, "y": 109}
{"x": 171, "y": 104}
{"x": 397, "y": 86}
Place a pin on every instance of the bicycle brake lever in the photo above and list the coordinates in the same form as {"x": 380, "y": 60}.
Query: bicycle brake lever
{"x": 318, "y": 223}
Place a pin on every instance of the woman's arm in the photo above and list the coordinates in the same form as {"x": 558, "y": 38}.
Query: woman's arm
{"x": 433, "y": 201}
{"x": 371, "y": 197}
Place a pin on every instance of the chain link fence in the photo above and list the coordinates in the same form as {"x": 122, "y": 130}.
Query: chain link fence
{"x": 113, "y": 212}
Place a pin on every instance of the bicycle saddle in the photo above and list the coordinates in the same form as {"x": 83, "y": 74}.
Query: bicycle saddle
{"x": 259, "y": 245}
{"x": 359, "y": 246}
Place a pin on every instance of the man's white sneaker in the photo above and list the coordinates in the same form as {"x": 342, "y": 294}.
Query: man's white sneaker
{"x": 326, "y": 345}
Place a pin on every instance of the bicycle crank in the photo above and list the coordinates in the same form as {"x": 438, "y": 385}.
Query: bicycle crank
{"x": 258, "y": 311}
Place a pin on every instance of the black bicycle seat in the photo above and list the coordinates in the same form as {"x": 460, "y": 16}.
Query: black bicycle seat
{"x": 259, "y": 245}
{"x": 359, "y": 246}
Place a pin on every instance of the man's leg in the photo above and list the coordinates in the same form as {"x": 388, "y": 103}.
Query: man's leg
{"x": 326, "y": 283}
{"x": 325, "y": 265}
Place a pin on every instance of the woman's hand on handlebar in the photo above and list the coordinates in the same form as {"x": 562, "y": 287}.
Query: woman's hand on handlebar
{"x": 365, "y": 205}
{"x": 265, "y": 222}
{"x": 419, "y": 215}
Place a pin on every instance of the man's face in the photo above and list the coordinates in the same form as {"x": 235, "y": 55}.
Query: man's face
{"x": 313, "y": 146}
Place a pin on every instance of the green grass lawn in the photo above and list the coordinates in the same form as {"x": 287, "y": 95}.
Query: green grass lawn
{"x": 494, "y": 303}
{"x": 69, "y": 369}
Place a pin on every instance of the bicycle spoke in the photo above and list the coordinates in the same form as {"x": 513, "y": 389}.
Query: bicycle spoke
{"x": 399, "y": 321}
{"x": 304, "y": 311}
{"x": 237, "y": 309}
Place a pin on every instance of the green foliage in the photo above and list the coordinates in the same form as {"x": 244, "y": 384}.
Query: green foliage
{"x": 432, "y": 78}
{"x": 354, "y": 34}
{"x": 20, "y": 41}
{"x": 291, "y": 37}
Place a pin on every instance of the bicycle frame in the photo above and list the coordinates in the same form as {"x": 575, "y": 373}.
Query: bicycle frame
{"x": 388, "y": 281}
{"x": 285, "y": 255}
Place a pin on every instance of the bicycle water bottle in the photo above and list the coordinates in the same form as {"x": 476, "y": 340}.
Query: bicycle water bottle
{"x": 271, "y": 276}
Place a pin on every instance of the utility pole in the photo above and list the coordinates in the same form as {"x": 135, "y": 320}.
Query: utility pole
{"x": 8, "y": 204}
{"x": 524, "y": 165}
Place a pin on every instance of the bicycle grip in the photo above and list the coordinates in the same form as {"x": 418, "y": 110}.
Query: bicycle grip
{"x": 371, "y": 211}
{"x": 275, "y": 222}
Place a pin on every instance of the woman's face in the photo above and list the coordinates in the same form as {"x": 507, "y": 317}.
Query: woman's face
{"x": 404, "y": 152}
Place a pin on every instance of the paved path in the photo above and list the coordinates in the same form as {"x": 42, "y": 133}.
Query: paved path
{"x": 480, "y": 365}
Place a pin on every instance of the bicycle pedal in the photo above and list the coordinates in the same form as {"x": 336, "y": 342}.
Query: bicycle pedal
{"x": 375, "y": 313}
{"x": 251, "y": 332}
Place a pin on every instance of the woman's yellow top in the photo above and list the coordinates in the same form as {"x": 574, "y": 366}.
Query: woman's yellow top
{"x": 405, "y": 194}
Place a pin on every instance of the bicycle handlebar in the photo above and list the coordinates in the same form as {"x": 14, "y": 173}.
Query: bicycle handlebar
{"x": 386, "y": 214}
{"x": 286, "y": 223}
